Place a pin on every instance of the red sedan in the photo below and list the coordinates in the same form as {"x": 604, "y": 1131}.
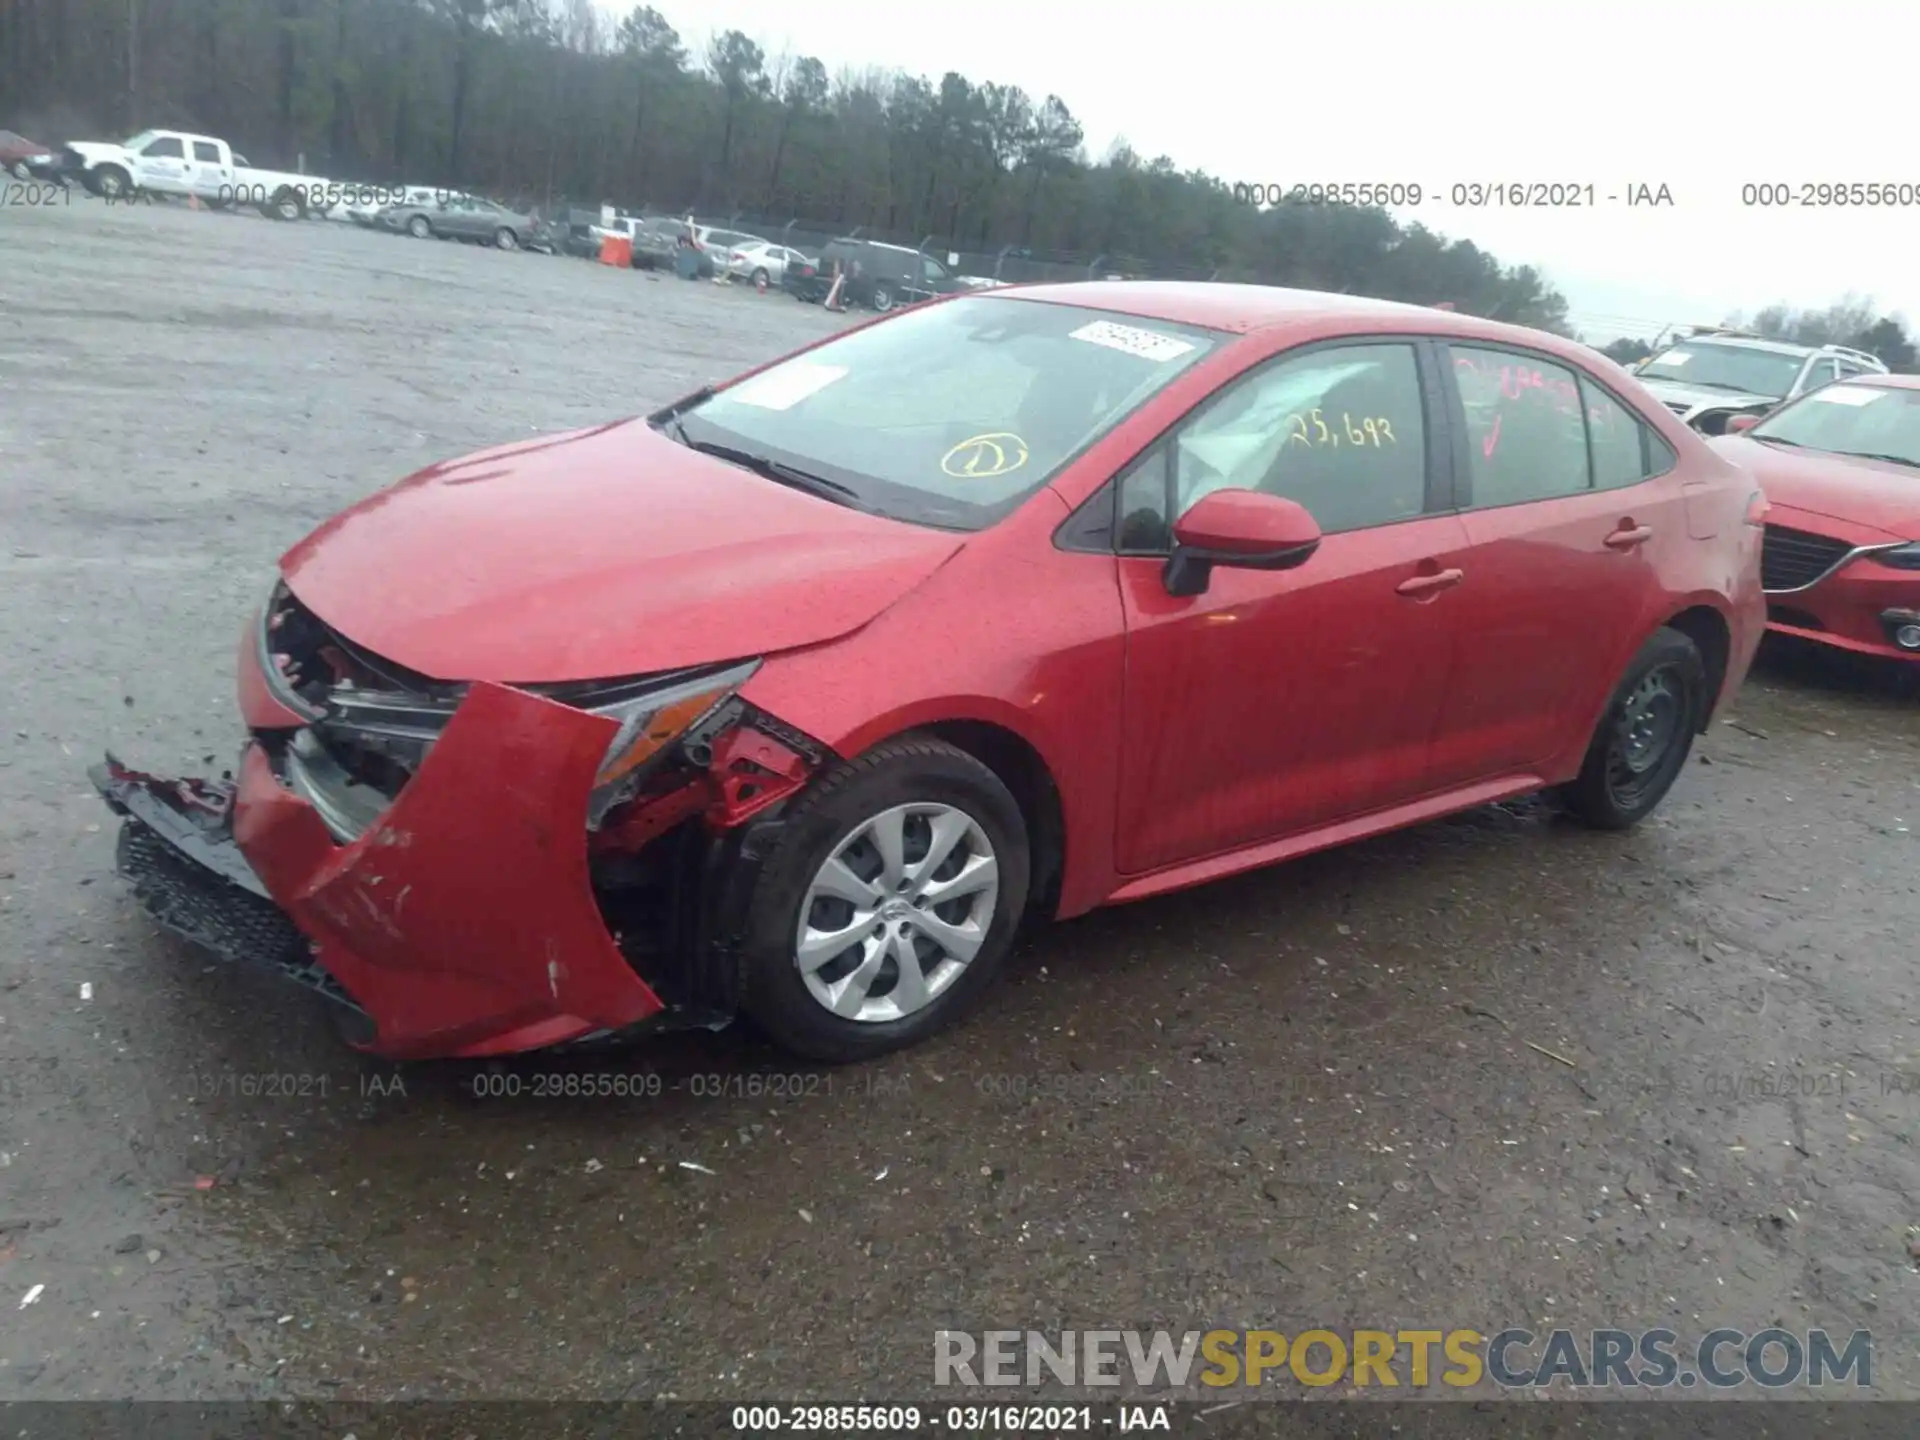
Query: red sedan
{"x": 1841, "y": 468}
{"x": 794, "y": 698}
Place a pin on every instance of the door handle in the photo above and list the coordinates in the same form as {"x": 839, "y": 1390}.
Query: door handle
{"x": 1432, "y": 584}
{"x": 1629, "y": 536}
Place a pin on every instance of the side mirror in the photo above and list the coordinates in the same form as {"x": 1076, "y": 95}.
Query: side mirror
{"x": 1742, "y": 422}
{"x": 1242, "y": 529}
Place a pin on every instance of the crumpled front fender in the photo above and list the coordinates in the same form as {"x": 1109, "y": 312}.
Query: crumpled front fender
{"x": 463, "y": 920}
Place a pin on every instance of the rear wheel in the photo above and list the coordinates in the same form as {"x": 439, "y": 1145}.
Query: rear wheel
{"x": 419, "y": 228}
{"x": 883, "y": 298}
{"x": 1643, "y": 740}
{"x": 760, "y": 277}
{"x": 889, "y": 905}
{"x": 286, "y": 206}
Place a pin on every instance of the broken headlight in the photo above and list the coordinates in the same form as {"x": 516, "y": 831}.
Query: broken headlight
{"x": 651, "y": 717}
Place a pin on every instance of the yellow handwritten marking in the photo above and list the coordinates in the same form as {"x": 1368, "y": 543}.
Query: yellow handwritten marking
{"x": 982, "y": 457}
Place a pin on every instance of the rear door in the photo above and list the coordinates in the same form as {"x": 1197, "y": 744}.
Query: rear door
{"x": 210, "y": 175}
{"x": 1566, "y": 536}
{"x": 1279, "y": 701}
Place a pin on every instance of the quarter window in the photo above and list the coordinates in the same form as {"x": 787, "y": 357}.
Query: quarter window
{"x": 1339, "y": 430}
{"x": 1526, "y": 439}
{"x": 1625, "y": 449}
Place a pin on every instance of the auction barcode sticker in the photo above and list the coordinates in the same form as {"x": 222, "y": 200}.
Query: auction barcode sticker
{"x": 1147, "y": 344}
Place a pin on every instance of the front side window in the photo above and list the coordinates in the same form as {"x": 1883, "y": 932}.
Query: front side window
{"x": 1526, "y": 438}
{"x": 953, "y": 414}
{"x": 1340, "y": 430}
{"x": 1880, "y": 422}
{"x": 167, "y": 147}
{"x": 1740, "y": 368}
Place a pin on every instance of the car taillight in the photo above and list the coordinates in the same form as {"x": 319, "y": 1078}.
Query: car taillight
{"x": 1757, "y": 508}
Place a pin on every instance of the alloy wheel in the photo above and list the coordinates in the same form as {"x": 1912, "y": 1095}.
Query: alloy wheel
{"x": 896, "y": 912}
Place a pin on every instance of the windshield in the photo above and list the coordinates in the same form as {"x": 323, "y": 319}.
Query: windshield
{"x": 138, "y": 142}
{"x": 1872, "y": 420}
{"x": 951, "y": 415}
{"x": 1724, "y": 367}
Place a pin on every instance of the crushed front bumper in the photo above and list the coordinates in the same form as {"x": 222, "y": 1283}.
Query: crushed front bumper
{"x": 463, "y": 922}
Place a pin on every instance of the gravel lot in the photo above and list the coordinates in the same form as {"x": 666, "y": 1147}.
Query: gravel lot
{"x": 1304, "y": 1097}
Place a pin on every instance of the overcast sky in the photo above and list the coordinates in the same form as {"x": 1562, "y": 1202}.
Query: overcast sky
{"x": 1702, "y": 97}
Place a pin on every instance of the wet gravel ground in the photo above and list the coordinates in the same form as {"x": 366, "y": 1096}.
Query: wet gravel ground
{"x": 1495, "y": 1071}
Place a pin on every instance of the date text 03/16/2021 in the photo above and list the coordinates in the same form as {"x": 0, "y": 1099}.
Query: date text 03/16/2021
{"x": 951, "y": 1419}
{"x": 1461, "y": 194}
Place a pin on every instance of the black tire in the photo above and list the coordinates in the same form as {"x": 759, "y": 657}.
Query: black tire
{"x": 902, "y": 771}
{"x": 110, "y": 182}
{"x": 20, "y": 170}
{"x": 286, "y": 205}
{"x": 882, "y": 300}
{"x": 1663, "y": 695}
{"x": 420, "y": 227}
{"x": 760, "y": 277}
{"x": 505, "y": 239}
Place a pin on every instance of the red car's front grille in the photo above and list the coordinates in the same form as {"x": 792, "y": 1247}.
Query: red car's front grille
{"x": 1793, "y": 559}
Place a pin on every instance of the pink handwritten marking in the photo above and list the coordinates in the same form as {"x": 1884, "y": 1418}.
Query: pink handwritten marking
{"x": 1492, "y": 439}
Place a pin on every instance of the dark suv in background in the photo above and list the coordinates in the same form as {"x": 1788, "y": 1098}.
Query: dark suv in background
{"x": 879, "y": 276}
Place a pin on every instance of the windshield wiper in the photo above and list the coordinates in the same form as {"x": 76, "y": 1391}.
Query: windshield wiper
{"x": 1775, "y": 440}
{"x": 1890, "y": 459}
{"x": 769, "y": 468}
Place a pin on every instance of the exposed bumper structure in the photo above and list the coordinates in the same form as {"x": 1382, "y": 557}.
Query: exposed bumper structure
{"x": 463, "y": 920}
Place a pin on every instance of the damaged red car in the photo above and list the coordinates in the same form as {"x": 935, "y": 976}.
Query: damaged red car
{"x": 794, "y": 699}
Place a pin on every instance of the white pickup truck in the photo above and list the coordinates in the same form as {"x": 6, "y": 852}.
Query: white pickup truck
{"x": 171, "y": 162}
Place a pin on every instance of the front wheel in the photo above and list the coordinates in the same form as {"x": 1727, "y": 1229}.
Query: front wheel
{"x": 419, "y": 228}
{"x": 110, "y": 182}
{"x": 889, "y": 905}
{"x": 20, "y": 170}
{"x": 506, "y": 239}
{"x": 1643, "y": 740}
{"x": 286, "y": 206}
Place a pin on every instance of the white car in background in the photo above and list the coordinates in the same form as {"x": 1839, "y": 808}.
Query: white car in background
{"x": 763, "y": 260}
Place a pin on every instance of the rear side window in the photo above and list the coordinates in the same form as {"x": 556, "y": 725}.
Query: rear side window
{"x": 207, "y": 151}
{"x": 1626, "y": 450}
{"x": 1526, "y": 439}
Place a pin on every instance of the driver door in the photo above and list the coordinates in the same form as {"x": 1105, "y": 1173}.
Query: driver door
{"x": 162, "y": 166}
{"x": 1279, "y": 701}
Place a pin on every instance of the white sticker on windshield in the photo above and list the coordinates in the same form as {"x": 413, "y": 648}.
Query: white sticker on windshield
{"x": 1147, "y": 344}
{"x": 785, "y": 386}
{"x": 1672, "y": 357}
{"x": 1846, "y": 395}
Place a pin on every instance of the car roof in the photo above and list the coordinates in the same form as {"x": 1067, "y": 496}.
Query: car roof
{"x": 1883, "y": 381}
{"x": 1748, "y": 342}
{"x": 1242, "y": 309}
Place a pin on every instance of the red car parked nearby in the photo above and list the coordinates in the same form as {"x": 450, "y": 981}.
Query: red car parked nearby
{"x": 1841, "y": 469}
{"x": 15, "y": 153}
{"x": 795, "y": 697}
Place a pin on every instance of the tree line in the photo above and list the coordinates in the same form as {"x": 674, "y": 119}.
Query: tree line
{"x": 554, "y": 101}
{"x": 1854, "y": 322}
{"x": 551, "y": 100}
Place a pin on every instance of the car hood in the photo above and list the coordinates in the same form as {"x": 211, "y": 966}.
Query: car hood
{"x": 1874, "y": 493}
{"x": 97, "y": 150}
{"x": 600, "y": 554}
{"x": 1674, "y": 392}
